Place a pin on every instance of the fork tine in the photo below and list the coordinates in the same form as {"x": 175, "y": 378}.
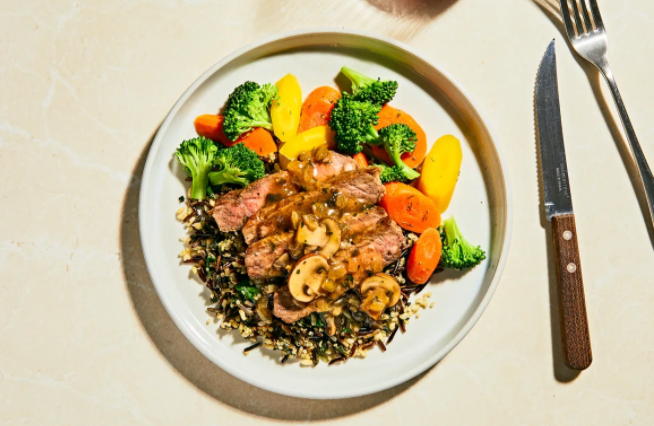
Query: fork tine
{"x": 596, "y": 15}
{"x": 587, "y": 22}
{"x": 567, "y": 20}
{"x": 580, "y": 27}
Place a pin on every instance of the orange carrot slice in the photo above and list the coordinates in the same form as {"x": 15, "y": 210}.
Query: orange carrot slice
{"x": 259, "y": 140}
{"x": 424, "y": 257}
{"x": 361, "y": 160}
{"x": 409, "y": 208}
{"x": 317, "y": 108}
{"x": 211, "y": 126}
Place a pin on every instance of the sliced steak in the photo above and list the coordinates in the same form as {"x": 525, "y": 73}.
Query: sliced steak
{"x": 333, "y": 165}
{"x": 354, "y": 223}
{"x": 261, "y": 255}
{"x": 288, "y": 309}
{"x": 233, "y": 209}
{"x": 363, "y": 187}
{"x": 371, "y": 252}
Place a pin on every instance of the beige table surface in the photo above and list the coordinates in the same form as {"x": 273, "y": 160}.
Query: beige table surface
{"x": 83, "y": 337}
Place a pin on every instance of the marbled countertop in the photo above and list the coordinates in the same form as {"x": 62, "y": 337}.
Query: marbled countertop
{"x": 83, "y": 337}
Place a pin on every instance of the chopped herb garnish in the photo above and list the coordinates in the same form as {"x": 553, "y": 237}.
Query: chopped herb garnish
{"x": 248, "y": 291}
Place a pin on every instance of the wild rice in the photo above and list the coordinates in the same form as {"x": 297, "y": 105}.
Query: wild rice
{"x": 249, "y": 348}
{"x": 218, "y": 260}
{"x": 390, "y": 339}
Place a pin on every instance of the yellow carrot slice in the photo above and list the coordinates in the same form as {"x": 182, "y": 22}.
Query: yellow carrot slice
{"x": 440, "y": 171}
{"x": 285, "y": 111}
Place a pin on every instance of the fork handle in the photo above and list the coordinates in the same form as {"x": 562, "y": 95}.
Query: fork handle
{"x": 641, "y": 162}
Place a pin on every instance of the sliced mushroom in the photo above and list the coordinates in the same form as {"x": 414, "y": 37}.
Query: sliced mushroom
{"x": 317, "y": 237}
{"x": 282, "y": 261}
{"x": 379, "y": 292}
{"x": 311, "y": 221}
{"x": 375, "y": 302}
{"x": 306, "y": 279}
{"x": 333, "y": 243}
{"x": 388, "y": 283}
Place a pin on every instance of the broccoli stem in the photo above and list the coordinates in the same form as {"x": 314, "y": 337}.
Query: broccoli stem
{"x": 199, "y": 186}
{"x": 358, "y": 80}
{"x": 452, "y": 231}
{"x": 457, "y": 252}
{"x": 372, "y": 136}
{"x": 227, "y": 176}
{"x": 396, "y": 158}
{"x": 262, "y": 122}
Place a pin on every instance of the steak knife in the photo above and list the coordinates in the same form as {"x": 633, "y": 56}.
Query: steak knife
{"x": 558, "y": 210}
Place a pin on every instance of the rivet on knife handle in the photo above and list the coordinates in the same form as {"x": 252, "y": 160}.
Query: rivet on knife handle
{"x": 574, "y": 322}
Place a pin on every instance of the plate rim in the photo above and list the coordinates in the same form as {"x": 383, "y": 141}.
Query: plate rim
{"x": 187, "y": 331}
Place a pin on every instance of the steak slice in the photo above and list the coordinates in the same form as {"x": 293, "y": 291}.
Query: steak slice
{"x": 261, "y": 255}
{"x": 333, "y": 165}
{"x": 372, "y": 250}
{"x": 362, "y": 187}
{"x": 233, "y": 209}
{"x": 370, "y": 254}
{"x": 288, "y": 309}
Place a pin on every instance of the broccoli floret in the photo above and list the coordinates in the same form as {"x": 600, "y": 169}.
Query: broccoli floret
{"x": 367, "y": 89}
{"x": 237, "y": 165}
{"x": 197, "y": 156}
{"x": 247, "y": 107}
{"x": 457, "y": 252}
{"x": 398, "y": 139}
{"x": 353, "y": 122}
{"x": 394, "y": 174}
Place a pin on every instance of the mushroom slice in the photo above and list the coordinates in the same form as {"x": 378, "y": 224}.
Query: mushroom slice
{"x": 334, "y": 241}
{"x": 307, "y": 277}
{"x": 317, "y": 237}
{"x": 379, "y": 292}
{"x": 375, "y": 302}
{"x": 282, "y": 261}
{"x": 386, "y": 282}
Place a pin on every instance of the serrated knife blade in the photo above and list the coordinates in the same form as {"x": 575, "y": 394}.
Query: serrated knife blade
{"x": 575, "y": 337}
{"x": 556, "y": 186}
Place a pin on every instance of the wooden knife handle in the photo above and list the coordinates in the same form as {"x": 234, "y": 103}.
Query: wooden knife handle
{"x": 574, "y": 322}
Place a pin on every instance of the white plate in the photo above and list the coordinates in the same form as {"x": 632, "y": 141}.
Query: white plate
{"x": 481, "y": 204}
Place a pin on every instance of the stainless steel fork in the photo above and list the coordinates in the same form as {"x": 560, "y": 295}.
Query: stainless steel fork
{"x": 588, "y": 37}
